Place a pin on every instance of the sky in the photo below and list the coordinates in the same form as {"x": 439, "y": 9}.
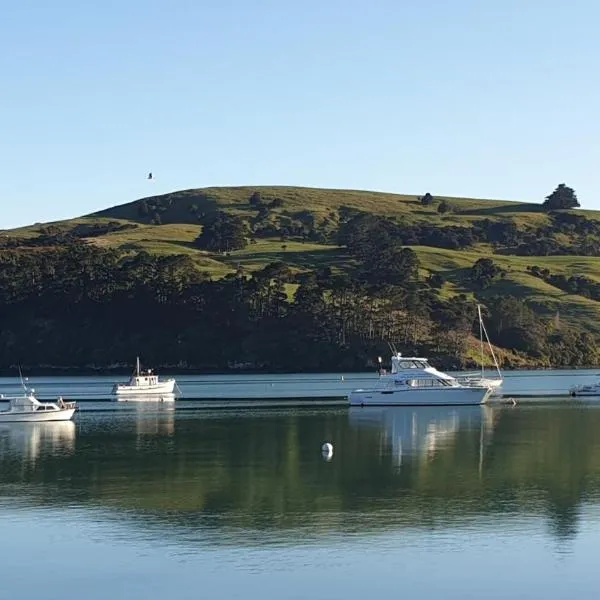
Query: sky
{"x": 486, "y": 98}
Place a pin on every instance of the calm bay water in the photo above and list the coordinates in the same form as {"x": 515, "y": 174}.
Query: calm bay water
{"x": 310, "y": 385}
{"x": 156, "y": 502}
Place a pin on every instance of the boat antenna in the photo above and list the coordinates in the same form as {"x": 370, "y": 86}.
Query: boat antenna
{"x": 21, "y": 378}
{"x": 137, "y": 366}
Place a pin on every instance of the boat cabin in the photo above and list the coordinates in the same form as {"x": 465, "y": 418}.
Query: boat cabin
{"x": 30, "y": 403}
{"x": 143, "y": 379}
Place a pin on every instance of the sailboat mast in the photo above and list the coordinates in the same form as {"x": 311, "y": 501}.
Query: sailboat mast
{"x": 490, "y": 346}
{"x": 481, "y": 338}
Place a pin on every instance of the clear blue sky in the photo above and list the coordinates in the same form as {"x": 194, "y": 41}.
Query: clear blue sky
{"x": 493, "y": 99}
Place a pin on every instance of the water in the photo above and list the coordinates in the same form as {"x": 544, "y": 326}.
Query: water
{"x": 325, "y": 385}
{"x": 156, "y": 502}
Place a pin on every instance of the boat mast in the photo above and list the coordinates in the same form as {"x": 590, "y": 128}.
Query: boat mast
{"x": 137, "y": 366}
{"x": 482, "y": 326}
{"x": 481, "y": 339}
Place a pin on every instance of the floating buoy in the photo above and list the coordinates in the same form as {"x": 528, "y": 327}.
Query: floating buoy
{"x": 327, "y": 450}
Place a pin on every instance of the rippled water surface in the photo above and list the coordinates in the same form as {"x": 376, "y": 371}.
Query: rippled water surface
{"x": 156, "y": 502}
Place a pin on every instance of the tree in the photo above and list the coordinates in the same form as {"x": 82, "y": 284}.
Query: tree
{"x": 562, "y": 197}
{"x": 435, "y": 280}
{"x": 255, "y": 200}
{"x": 427, "y": 199}
{"x": 484, "y": 271}
{"x": 223, "y": 233}
{"x": 443, "y": 207}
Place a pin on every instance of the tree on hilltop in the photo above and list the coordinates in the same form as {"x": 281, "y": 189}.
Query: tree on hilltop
{"x": 562, "y": 197}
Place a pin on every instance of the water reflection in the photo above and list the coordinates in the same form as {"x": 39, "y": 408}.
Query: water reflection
{"x": 29, "y": 441}
{"x": 154, "y": 419}
{"x": 422, "y": 430}
{"x": 233, "y": 477}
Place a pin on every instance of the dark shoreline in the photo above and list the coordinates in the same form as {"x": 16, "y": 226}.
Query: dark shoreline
{"x": 47, "y": 371}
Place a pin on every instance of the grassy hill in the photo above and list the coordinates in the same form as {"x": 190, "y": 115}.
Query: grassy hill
{"x": 170, "y": 223}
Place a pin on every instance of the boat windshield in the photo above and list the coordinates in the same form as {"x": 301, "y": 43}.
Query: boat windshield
{"x": 413, "y": 364}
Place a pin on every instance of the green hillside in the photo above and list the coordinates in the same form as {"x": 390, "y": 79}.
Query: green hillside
{"x": 332, "y": 232}
{"x": 180, "y": 226}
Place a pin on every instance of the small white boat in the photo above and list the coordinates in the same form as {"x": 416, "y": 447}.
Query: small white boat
{"x": 28, "y": 408}
{"x": 413, "y": 381}
{"x": 592, "y": 389}
{"x": 144, "y": 384}
{"x": 480, "y": 379}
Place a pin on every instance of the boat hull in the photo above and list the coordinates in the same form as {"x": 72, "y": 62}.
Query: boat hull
{"x": 460, "y": 396}
{"x": 163, "y": 387}
{"x": 147, "y": 398}
{"x": 37, "y": 416}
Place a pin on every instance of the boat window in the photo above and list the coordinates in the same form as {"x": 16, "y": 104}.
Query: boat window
{"x": 428, "y": 383}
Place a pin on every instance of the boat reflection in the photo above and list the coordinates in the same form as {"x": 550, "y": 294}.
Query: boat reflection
{"x": 29, "y": 441}
{"x": 154, "y": 419}
{"x": 423, "y": 431}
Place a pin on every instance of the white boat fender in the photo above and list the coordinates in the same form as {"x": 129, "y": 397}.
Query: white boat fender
{"x": 327, "y": 450}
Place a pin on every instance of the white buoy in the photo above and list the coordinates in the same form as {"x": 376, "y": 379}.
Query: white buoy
{"x": 327, "y": 450}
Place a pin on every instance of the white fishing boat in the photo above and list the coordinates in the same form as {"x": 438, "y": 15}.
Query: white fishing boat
{"x": 480, "y": 379}
{"x": 28, "y": 408}
{"x": 144, "y": 384}
{"x": 413, "y": 381}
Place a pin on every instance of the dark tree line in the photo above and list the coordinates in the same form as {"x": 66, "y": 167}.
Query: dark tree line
{"x": 77, "y": 305}
{"x": 574, "y": 284}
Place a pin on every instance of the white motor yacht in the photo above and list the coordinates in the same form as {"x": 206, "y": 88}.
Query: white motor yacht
{"x": 144, "y": 384}
{"x": 413, "y": 381}
{"x": 29, "y": 408}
